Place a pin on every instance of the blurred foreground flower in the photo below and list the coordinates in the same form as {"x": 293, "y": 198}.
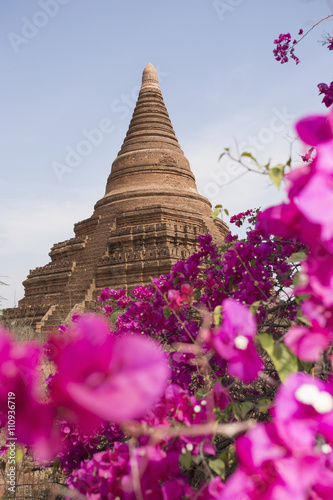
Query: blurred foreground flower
{"x": 21, "y": 404}
{"x": 103, "y": 378}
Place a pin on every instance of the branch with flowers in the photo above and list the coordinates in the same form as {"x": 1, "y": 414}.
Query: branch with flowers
{"x": 284, "y": 48}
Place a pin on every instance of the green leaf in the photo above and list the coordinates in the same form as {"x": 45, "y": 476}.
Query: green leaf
{"x": 226, "y": 211}
{"x": 248, "y": 155}
{"x": 167, "y": 312}
{"x": 19, "y": 453}
{"x": 218, "y": 206}
{"x": 263, "y": 405}
{"x": 254, "y": 306}
{"x": 201, "y": 393}
{"x": 216, "y": 212}
{"x": 175, "y": 280}
{"x": 114, "y": 316}
{"x": 276, "y": 174}
{"x": 297, "y": 257}
{"x": 236, "y": 410}
{"x": 217, "y": 315}
{"x": 185, "y": 459}
{"x": 304, "y": 366}
{"x": 296, "y": 279}
{"x": 284, "y": 361}
{"x": 303, "y": 319}
{"x": 246, "y": 407}
{"x": 218, "y": 466}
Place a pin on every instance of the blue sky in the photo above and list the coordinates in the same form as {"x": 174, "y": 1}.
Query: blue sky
{"x": 68, "y": 65}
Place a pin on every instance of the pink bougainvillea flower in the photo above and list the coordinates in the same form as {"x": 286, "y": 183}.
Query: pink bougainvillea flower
{"x": 315, "y": 129}
{"x": 213, "y": 491}
{"x": 307, "y": 343}
{"x": 20, "y": 378}
{"x": 104, "y": 295}
{"x": 176, "y": 300}
{"x": 187, "y": 292}
{"x": 119, "y": 474}
{"x": 327, "y": 90}
{"x": 100, "y": 377}
{"x": 270, "y": 469}
{"x": 107, "y": 310}
{"x": 75, "y": 318}
{"x": 234, "y": 341}
{"x": 220, "y": 395}
{"x": 319, "y": 187}
{"x": 308, "y": 155}
{"x": 303, "y": 409}
{"x": 319, "y": 269}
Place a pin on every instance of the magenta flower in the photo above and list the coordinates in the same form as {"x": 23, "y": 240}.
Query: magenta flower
{"x": 315, "y": 129}
{"x": 268, "y": 470}
{"x": 307, "y": 343}
{"x": 107, "y": 310}
{"x": 220, "y": 395}
{"x": 100, "y": 377}
{"x": 234, "y": 341}
{"x": 104, "y": 295}
{"x": 186, "y": 292}
{"x": 20, "y": 378}
{"x": 327, "y": 90}
{"x": 308, "y": 155}
{"x": 304, "y": 409}
{"x": 176, "y": 300}
{"x": 213, "y": 490}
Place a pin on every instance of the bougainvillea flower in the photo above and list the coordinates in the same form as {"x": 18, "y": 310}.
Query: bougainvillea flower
{"x": 220, "y": 395}
{"x": 104, "y": 295}
{"x": 281, "y": 220}
{"x": 213, "y": 491}
{"x": 270, "y": 470}
{"x": 100, "y": 377}
{"x": 307, "y": 343}
{"x": 119, "y": 473}
{"x": 319, "y": 269}
{"x": 315, "y": 129}
{"x": 234, "y": 341}
{"x": 327, "y": 90}
{"x": 176, "y": 300}
{"x": 20, "y": 378}
{"x": 319, "y": 187}
{"x": 303, "y": 409}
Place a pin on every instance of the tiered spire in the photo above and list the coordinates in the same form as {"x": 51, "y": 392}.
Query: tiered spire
{"x": 150, "y": 150}
{"x": 150, "y": 125}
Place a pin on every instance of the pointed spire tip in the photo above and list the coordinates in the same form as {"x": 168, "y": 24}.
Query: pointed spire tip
{"x": 149, "y": 74}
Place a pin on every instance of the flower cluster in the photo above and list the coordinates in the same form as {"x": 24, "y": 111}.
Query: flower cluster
{"x": 290, "y": 457}
{"x": 239, "y": 219}
{"x": 327, "y": 91}
{"x": 283, "y": 48}
{"x": 148, "y": 471}
{"x": 79, "y": 447}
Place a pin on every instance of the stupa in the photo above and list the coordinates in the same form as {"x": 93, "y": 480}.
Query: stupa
{"x": 150, "y": 217}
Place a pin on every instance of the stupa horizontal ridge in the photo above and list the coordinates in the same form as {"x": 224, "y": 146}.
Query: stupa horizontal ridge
{"x": 150, "y": 217}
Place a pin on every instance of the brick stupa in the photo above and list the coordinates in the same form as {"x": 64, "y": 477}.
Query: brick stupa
{"x": 150, "y": 217}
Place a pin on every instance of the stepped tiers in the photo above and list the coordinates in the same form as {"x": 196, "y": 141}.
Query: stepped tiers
{"x": 150, "y": 217}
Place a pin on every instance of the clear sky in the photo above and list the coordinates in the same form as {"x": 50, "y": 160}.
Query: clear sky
{"x": 69, "y": 64}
